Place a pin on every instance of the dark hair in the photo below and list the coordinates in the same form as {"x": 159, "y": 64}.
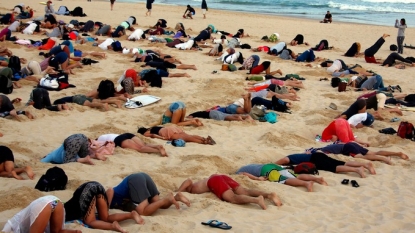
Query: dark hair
{"x": 324, "y": 63}
{"x": 223, "y": 37}
{"x": 361, "y": 103}
{"x": 289, "y": 51}
{"x": 142, "y": 130}
{"x": 335, "y": 81}
{"x": 241, "y": 31}
{"x": 188, "y": 5}
{"x": 403, "y": 21}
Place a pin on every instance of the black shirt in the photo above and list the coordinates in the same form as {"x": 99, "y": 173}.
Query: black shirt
{"x": 5, "y": 104}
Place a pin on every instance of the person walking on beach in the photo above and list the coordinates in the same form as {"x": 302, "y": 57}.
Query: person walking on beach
{"x": 204, "y": 8}
{"x": 401, "y": 33}
{"x": 148, "y": 6}
{"x": 112, "y": 4}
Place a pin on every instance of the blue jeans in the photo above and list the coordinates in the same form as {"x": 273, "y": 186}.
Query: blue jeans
{"x": 176, "y": 105}
{"x": 231, "y": 109}
{"x": 379, "y": 84}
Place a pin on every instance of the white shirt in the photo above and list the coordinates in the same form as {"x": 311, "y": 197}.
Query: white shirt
{"x": 21, "y": 222}
{"x": 336, "y": 66}
{"x": 30, "y": 29}
{"x": 357, "y": 118}
{"x": 136, "y": 35}
{"x": 104, "y": 45}
{"x": 107, "y": 137}
{"x": 219, "y": 41}
{"x": 185, "y": 46}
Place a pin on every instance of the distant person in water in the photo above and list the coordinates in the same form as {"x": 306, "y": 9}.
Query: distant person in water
{"x": 327, "y": 18}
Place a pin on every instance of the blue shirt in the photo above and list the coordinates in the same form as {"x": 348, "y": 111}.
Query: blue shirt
{"x": 55, "y": 156}
{"x": 121, "y": 191}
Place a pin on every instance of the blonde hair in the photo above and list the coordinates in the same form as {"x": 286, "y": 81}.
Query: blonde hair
{"x": 358, "y": 47}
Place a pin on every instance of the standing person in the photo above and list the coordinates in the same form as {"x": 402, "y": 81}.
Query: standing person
{"x": 112, "y": 3}
{"x": 148, "y": 6}
{"x": 401, "y": 33}
{"x": 49, "y": 8}
{"x": 204, "y": 8}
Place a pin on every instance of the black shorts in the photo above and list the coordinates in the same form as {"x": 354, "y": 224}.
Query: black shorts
{"x": 112, "y": 1}
{"x": 141, "y": 187}
{"x": 266, "y": 64}
{"x": 6, "y": 154}
{"x": 122, "y": 137}
{"x": 325, "y": 163}
{"x": 352, "y": 149}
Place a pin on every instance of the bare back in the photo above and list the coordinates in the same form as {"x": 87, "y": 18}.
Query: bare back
{"x": 200, "y": 187}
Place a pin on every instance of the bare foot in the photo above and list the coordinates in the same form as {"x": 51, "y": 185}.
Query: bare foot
{"x": 172, "y": 200}
{"x": 279, "y": 71}
{"x": 309, "y": 186}
{"x": 14, "y": 174}
{"x": 163, "y": 151}
{"x": 180, "y": 197}
{"x": 385, "y": 35}
{"x": 89, "y": 160}
{"x": 198, "y": 122}
{"x": 388, "y": 160}
{"x": 66, "y": 107}
{"x": 1, "y": 135}
{"x": 194, "y": 67}
{"x": 210, "y": 140}
{"x": 29, "y": 115}
{"x": 137, "y": 218}
{"x": 261, "y": 202}
{"x": 274, "y": 198}
{"x": 361, "y": 172}
{"x": 118, "y": 103}
{"x": 321, "y": 181}
{"x": 187, "y": 75}
{"x": 117, "y": 227}
{"x": 403, "y": 156}
{"x": 105, "y": 106}
{"x": 369, "y": 166}
{"x": 29, "y": 172}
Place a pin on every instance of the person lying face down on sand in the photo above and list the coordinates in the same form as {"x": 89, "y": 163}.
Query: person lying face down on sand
{"x": 39, "y": 99}
{"x": 7, "y": 108}
{"x": 340, "y": 130}
{"x": 73, "y": 149}
{"x": 325, "y": 163}
{"x": 372, "y": 50}
{"x": 227, "y": 189}
{"x": 357, "y": 151}
{"x": 264, "y": 66}
{"x": 45, "y": 214}
{"x": 84, "y": 100}
{"x": 8, "y": 168}
{"x": 268, "y": 91}
{"x": 255, "y": 86}
{"x": 90, "y": 205}
{"x": 130, "y": 141}
{"x": 244, "y": 105}
{"x": 391, "y": 61}
{"x": 172, "y": 133}
{"x": 162, "y": 61}
{"x": 277, "y": 49}
{"x": 175, "y": 114}
{"x": 139, "y": 192}
{"x": 107, "y": 94}
{"x": 275, "y": 173}
{"x": 219, "y": 115}
{"x": 368, "y": 101}
{"x": 298, "y": 40}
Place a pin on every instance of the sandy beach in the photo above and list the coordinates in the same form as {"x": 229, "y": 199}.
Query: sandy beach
{"x": 382, "y": 203}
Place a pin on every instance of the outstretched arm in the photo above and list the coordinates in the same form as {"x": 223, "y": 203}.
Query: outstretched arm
{"x": 252, "y": 177}
{"x": 186, "y": 186}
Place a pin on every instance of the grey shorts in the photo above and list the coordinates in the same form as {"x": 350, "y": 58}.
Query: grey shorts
{"x": 80, "y": 99}
{"x": 217, "y": 115}
{"x": 141, "y": 187}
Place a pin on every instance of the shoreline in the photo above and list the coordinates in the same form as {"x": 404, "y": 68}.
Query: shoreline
{"x": 293, "y": 15}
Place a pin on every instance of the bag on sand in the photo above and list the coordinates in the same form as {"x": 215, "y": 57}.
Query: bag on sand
{"x": 342, "y": 86}
{"x": 306, "y": 168}
{"x": 406, "y": 130}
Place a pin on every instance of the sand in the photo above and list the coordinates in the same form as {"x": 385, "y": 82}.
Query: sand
{"x": 382, "y": 203}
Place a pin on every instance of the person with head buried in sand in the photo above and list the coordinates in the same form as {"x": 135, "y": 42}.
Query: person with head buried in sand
{"x": 139, "y": 192}
{"x": 227, "y": 189}
{"x": 7, "y": 167}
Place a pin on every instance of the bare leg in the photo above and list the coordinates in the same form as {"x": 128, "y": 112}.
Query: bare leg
{"x": 345, "y": 168}
{"x": 113, "y": 101}
{"x": 256, "y": 193}
{"x": 103, "y": 223}
{"x": 298, "y": 182}
{"x": 390, "y": 153}
{"x": 307, "y": 177}
{"x": 373, "y": 157}
{"x": 179, "y": 75}
{"x": 131, "y": 144}
{"x": 233, "y": 198}
{"x": 186, "y": 67}
{"x": 86, "y": 160}
{"x": 96, "y": 104}
{"x": 247, "y": 103}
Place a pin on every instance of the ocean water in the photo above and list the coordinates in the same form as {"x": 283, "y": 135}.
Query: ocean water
{"x": 377, "y": 12}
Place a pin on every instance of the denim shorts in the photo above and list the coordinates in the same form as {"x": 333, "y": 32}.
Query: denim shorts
{"x": 162, "y": 73}
{"x": 176, "y": 106}
{"x": 231, "y": 109}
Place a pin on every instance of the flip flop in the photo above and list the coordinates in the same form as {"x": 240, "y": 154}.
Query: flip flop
{"x": 333, "y": 106}
{"x": 210, "y": 222}
{"x": 355, "y": 184}
{"x": 345, "y": 181}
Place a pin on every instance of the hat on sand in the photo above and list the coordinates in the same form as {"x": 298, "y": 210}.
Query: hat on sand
{"x": 70, "y": 26}
{"x": 274, "y": 176}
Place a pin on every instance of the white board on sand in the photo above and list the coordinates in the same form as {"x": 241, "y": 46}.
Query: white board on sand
{"x": 141, "y": 101}
{"x": 402, "y": 107}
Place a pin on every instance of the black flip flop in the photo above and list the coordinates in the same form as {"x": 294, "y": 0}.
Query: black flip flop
{"x": 217, "y": 224}
{"x": 345, "y": 181}
{"x": 355, "y": 184}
